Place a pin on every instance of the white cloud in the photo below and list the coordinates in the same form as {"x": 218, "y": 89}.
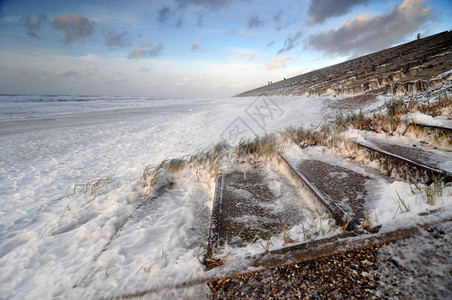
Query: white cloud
{"x": 249, "y": 56}
{"x": 196, "y": 46}
{"x": 67, "y": 74}
{"x": 119, "y": 40}
{"x": 140, "y": 53}
{"x": 240, "y": 32}
{"x": 183, "y": 82}
{"x": 299, "y": 72}
{"x": 278, "y": 62}
{"x": 144, "y": 69}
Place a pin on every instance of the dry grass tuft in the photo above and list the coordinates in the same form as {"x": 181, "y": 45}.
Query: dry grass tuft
{"x": 316, "y": 228}
{"x": 152, "y": 175}
{"x": 287, "y": 238}
{"x": 212, "y": 261}
{"x": 269, "y": 146}
{"x": 388, "y": 120}
{"x": 259, "y": 148}
{"x": 430, "y": 192}
{"x": 210, "y": 159}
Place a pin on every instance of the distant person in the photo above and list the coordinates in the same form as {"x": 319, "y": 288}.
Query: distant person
{"x": 418, "y": 36}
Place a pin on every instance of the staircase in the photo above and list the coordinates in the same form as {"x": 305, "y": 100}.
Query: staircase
{"x": 344, "y": 186}
{"x": 406, "y": 69}
{"x": 257, "y": 204}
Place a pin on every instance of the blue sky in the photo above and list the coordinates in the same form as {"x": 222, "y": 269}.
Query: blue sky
{"x": 194, "y": 48}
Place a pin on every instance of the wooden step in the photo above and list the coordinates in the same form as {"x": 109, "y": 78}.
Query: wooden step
{"x": 439, "y": 134}
{"x": 246, "y": 208}
{"x": 240, "y": 211}
{"x": 342, "y": 186}
{"x": 444, "y": 130}
{"x": 306, "y": 253}
{"x": 410, "y": 161}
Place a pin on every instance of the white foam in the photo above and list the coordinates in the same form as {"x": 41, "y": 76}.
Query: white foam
{"x": 56, "y": 216}
{"x": 50, "y": 149}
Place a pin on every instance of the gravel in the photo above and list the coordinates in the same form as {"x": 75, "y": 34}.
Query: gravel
{"x": 419, "y": 267}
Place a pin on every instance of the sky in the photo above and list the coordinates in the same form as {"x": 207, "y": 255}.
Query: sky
{"x": 194, "y": 48}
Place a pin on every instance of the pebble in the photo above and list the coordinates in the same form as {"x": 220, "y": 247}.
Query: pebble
{"x": 329, "y": 277}
{"x": 402, "y": 269}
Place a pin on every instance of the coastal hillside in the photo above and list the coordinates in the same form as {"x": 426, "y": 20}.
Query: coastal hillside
{"x": 406, "y": 69}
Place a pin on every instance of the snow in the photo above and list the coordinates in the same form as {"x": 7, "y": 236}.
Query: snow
{"x": 298, "y": 208}
{"x": 433, "y": 157}
{"x": 443, "y": 75}
{"x": 399, "y": 204}
{"x": 70, "y": 178}
{"x": 55, "y": 219}
{"x": 420, "y": 118}
{"x": 418, "y": 267}
{"x": 394, "y": 204}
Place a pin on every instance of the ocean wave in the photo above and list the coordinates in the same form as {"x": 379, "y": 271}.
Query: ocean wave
{"x": 36, "y": 106}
